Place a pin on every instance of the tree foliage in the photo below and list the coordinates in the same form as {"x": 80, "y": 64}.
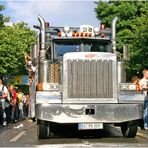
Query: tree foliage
{"x": 14, "y": 42}
{"x": 1, "y": 16}
{"x": 132, "y": 29}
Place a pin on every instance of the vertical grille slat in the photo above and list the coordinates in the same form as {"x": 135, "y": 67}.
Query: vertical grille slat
{"x": 110, "y": 83}
{"x": 86, "y": 77}
{"x": 75, "y": 81}
{"x": 90, "y": 78}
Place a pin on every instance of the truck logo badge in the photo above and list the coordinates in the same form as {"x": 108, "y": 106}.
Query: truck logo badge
{"x": 90, "y": 55}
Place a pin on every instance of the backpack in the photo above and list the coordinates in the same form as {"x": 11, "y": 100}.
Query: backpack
{"x": 2, "y": 91}
{"x": 7, "y": 100}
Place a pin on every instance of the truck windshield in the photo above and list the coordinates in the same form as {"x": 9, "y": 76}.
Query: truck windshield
{"x": 62, "y": 47}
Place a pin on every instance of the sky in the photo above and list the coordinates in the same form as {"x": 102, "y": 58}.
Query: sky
{"x": 56, "y": 12}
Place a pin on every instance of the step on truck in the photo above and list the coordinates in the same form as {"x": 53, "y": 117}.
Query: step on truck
{"x": 81, "y": 80}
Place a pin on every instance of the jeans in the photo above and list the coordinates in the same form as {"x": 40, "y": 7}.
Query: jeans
{"x": 13, "y": 110}
{"x": 3, "y": 110}
{"x": 21, "y": 110}
{"x": 145, "y": 114}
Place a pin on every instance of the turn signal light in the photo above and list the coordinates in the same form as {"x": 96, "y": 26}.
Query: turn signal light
{"x": 137, "y": 86}
{"x": 39, "y": 87}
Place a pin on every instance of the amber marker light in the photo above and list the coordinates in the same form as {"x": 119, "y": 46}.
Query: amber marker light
{"x": 73, "y": 34}
{"x": 59, "y": 34}
{"x": 86, "y": 34}
{"x": 77, "y": 34}
{"x": 103, "y": 35}
{"x": 82, "y": 34}
{"x": 90, "y": 34}
{"x": 39, "y": 86}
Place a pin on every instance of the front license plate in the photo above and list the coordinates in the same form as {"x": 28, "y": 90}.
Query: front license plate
{"x": 85, "y": 126}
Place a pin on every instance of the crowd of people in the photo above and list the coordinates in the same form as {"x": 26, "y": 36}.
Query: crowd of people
{"x": 14, "y": 104}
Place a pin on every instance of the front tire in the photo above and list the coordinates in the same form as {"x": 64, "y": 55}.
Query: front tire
{"x": 129, "y": 129}
{"x": 43, "y": 130}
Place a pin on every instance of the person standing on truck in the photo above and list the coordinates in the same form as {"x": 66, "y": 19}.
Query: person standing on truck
{"x": 144, "y": 87}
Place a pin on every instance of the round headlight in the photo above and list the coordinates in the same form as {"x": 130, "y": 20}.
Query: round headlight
{"x": 96, "y": 30}
{"x": 47, "y": 35}
{"x": 66, "y": 29}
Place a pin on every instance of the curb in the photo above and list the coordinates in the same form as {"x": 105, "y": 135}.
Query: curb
{"x": 142, "y": 135}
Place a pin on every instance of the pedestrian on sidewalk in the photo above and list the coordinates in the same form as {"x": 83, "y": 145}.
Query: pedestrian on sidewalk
{"x": 21, "y": 100}
{"x": 13, "y": 96}
{"x": 3, "y": 97}
{"x": 27, "y": 104}
{"x": 144, "y": 87}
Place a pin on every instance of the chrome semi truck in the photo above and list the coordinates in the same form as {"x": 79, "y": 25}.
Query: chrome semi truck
{"x": 81, "y": 80}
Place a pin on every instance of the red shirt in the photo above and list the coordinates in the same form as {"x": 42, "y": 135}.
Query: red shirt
{"x": 13, "y": 94}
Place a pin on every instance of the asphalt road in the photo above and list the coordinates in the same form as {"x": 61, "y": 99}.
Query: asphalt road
{"x": 23, "y": 134}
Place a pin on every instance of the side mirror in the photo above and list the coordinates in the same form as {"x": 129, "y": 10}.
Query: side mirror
{"x": 126, "y": 53}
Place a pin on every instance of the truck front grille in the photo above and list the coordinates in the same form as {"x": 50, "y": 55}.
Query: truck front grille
{"x": 90, "y": 78}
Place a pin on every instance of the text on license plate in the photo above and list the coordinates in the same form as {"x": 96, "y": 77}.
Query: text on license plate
{"x": 83, "y": 126}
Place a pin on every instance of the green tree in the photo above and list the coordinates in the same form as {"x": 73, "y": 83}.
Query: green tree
{"x": 1, "y": 16}
{"x": 132, "y": 29}
{"x": 14, "y": 42}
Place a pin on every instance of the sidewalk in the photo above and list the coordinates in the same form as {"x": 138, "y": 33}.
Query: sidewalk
{"x": 143, "y": 133}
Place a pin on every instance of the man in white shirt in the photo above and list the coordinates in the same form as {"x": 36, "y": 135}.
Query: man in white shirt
{"x": 144, "y": 82}
{"x": 3, "y": 96}
{"x": 144, "y": 87}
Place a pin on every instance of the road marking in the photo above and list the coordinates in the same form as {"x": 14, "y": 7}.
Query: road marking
{"x": 17, "y": 136}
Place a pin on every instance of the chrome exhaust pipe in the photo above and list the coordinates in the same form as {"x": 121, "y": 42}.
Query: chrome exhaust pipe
{"x": 42, "y": 31}
{"x": 114, "y": 34}
{"x": 42, "y": 27}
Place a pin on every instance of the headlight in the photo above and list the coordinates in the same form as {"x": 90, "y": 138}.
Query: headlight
{"x": 66, "y": 29}
{"x": 96, "y": 30}
{"x": 48, "y": 87}
{"x": 127, "y": 86}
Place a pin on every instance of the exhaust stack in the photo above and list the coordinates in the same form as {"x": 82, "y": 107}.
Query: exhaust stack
{"x": 42, "y": 39}
{"x": 114, "y": 34}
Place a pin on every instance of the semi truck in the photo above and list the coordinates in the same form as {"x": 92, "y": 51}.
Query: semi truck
{"x": 80, "y": 79}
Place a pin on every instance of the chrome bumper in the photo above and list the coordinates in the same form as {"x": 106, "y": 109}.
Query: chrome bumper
{"x": 105, "y": 113}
